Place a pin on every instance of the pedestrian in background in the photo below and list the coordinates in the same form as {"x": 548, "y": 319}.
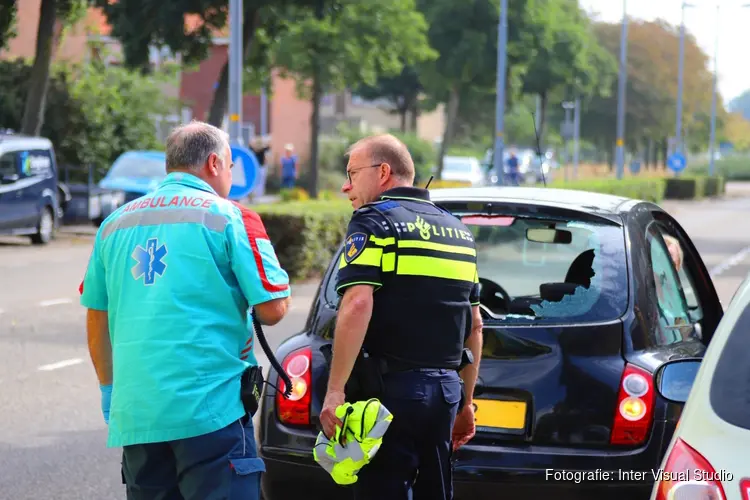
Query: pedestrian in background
{"x": 421, "y": 261}
{"x": 168, "y": 287}
{"x": 289, "y": 168}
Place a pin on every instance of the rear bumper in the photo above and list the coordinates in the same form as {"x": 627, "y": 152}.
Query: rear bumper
{"x": 490, "y": 472}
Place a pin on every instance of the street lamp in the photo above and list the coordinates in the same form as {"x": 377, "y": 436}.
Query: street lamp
{"x": 620, "y": 142}
{"x": 678, "y": 124}
{"x": 712, "y": 140}
{"x": 502, "y": 42}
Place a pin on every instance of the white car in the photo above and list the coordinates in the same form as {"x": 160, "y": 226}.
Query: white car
{"x": 464, "y": 169}
{"x": 707, "y": 457}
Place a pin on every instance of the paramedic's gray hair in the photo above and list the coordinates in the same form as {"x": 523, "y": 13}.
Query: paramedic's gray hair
{"x": 188, "y": 146}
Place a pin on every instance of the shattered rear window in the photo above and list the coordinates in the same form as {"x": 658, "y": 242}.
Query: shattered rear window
{"x": 550, "y": 271}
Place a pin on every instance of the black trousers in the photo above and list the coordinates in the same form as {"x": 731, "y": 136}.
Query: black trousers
{"x": 416, "y": 450}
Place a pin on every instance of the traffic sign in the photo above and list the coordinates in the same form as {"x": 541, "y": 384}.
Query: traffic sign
{"x": 635, "y": 166}
{"x": 676, "y": 162}
{"x": 244, "y": 173}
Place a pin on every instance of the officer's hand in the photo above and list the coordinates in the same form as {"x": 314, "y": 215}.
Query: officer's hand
{"x": 106, "y": 401}
{"x": 328, "y": 418}
{"x": 464, "y": 427}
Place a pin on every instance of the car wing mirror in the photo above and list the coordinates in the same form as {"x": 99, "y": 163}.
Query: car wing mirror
{"x": 674, "y": 379}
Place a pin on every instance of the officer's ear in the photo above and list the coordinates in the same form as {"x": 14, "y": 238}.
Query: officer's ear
{"x": 385, "y": 171}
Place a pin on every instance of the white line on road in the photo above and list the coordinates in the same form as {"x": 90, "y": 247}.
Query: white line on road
{"x": 60, "y": 364}
{"x": 55, "y": 302}
{"x": 730, "y": 262}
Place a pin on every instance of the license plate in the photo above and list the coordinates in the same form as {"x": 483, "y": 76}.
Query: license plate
{"x": 500, "y": 414}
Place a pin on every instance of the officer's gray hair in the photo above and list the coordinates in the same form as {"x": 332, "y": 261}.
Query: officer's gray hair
{"x": 189, "y": 145}
{"x": 386, "y": 148}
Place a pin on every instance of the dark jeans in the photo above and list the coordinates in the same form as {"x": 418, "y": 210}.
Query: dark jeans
{"x": 287, "y": 182}
{"x": 416, "y": 450}
{"x": 220, "y": 465}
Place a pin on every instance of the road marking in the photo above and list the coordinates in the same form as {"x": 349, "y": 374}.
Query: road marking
{"x": 55, "y": 302}
{"x": 730, "y": 262}
{"x": 60, "y": 364}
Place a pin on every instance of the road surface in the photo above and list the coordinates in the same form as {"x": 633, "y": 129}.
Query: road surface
{"x": 52, "y": 434}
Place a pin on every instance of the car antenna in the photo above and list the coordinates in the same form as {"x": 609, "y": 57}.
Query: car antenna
{"x": 538, "y": 148}
{"x": 428, "y": 182}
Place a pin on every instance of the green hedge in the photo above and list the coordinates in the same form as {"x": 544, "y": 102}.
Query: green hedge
{"x": 731, "y": 168}
{"x": 305, "y": 233}
{"x": 650, "y": 189}
{"x": 653, "y": 189}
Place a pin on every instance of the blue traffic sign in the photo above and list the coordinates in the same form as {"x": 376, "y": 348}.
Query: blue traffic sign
{"x": 676, "y": 162}
{"x": 635, "y": 166}
{"x": 244, "y": 173}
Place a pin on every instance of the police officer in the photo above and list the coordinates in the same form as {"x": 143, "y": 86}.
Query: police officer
{"x": 168, "y": 287}
{"x": 409, "y": 289}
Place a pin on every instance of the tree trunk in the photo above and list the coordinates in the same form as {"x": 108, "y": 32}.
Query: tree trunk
{"x": 414, "y": 118}
{"x": 450, "y": 124}
{"x": 542, "y": 115}
{"x": 402, "y": 112}
{"x": 221, "y": 94}
{"x": 33, "y": 114}
{"x": 314, "y": 133}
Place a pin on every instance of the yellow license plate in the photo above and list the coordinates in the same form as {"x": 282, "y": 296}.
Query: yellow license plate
{"x": 502, "y": 414}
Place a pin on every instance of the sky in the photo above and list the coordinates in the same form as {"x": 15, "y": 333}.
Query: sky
{"x": 701, "y": 21}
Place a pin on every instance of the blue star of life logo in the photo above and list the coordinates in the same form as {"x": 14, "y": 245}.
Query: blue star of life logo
{"x": 149, "y": 261}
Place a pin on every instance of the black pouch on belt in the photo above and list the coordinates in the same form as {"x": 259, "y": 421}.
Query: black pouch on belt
{"x": 366, "y": 380}
{"x": 251, "y": 389}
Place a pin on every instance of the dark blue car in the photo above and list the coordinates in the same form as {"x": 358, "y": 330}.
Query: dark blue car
{"x": 582, "y": 302}
{"x": 29, "y": 190}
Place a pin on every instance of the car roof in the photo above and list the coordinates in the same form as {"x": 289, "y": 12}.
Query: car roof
{"x": 24, "y": 141}
{"x": 157, "y": 155}
{"x": 583, "y": 201}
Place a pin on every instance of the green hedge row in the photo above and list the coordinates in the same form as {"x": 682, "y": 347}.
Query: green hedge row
{"x": 306, "y": 233}
{"x": 655, "y": 189}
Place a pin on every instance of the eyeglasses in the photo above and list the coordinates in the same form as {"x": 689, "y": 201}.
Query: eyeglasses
{"x": 349, "y": 172}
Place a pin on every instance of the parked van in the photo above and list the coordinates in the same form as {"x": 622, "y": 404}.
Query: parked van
{"x": 29, "y": 190}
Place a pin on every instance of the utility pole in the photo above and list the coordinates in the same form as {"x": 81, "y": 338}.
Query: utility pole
{"x": 502, "y": 43}
{"x": 263, "y": 112}
{"x": 235, "y": 72}
{"x": 621, "y": 89}
{"x": 576, "y": 136}
{"x": 679, "y": 147}
{"x": 712, "y": 140}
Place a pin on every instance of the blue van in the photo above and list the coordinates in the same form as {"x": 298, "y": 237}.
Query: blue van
{"x": 29, "y": 190}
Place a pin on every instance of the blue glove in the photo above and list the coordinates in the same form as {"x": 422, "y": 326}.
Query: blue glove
{"x": 106, "y": 401}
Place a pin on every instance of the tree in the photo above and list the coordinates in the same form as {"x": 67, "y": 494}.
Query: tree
{"x": 653, "y": 51}
{"x": 8, "y": 28}
{"x": 344, "y": 43}
{"x": 69, "y": 12}
{"x": 567, "y": 60}
{"x": 736, "y": 131}
{"x": 402, "y": 91}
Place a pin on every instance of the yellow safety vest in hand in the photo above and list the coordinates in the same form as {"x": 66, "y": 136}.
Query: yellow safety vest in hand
{"x": 365, "y": 423}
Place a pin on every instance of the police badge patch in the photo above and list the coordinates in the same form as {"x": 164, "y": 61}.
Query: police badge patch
{"x": 355, "y": 244}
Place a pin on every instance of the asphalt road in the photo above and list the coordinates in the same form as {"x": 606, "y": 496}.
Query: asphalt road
{"x": 52, "y": 434}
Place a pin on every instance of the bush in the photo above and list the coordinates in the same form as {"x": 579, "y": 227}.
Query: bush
{"x": 683, "y": 188}
{"x": 731, "y": 168}
{"x": 93, "y": 114}
{"x": 306, "y": 234}
{"x": 649, "y": 189}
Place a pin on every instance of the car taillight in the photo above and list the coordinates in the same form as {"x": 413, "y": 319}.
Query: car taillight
{"x": 296, "y": 409}
{"x": 635, "y": 407}
{"x": 688, "y": 475}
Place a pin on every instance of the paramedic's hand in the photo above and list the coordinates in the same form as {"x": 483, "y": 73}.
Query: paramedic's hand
{"x": 106, "y": 401}
{"x": 328, "y": 418}
{"x": 464, "y": 427}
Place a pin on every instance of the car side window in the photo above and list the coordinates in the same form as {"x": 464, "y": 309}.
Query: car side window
{"x": 673, "y": 315}
{"x": 686, "y": 280}
{"x": 8, "y": 165}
